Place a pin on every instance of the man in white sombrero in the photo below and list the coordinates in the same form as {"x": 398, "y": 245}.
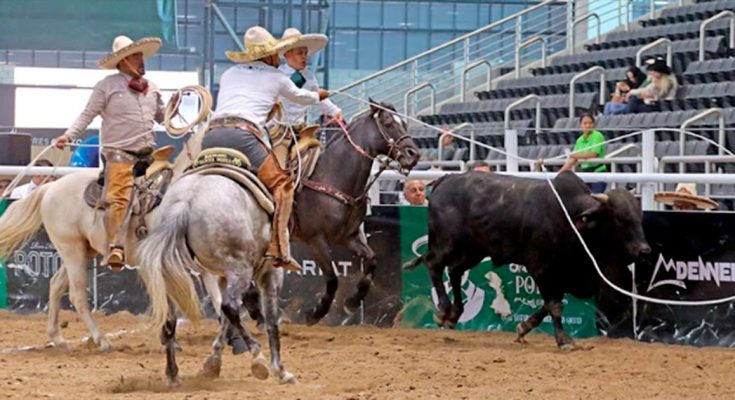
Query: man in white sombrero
{"x": 685, "y": 198}
{"x": 130, "y": 106}
{"x": 295, "y": 67}
{"x": 248, "y": 93}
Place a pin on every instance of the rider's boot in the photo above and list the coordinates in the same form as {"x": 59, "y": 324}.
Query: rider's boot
{"x": 118, "y": 190}
{"x": 280, "y": 184}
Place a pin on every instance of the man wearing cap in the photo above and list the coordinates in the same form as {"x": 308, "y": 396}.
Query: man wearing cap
{"x": 248, "y": 93}
{"x": 129, "y": 105}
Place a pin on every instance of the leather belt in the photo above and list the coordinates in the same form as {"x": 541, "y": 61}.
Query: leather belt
{"x": 234, "y": 123}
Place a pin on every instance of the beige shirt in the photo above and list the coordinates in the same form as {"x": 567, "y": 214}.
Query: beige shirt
{"x": 127, "y": 116}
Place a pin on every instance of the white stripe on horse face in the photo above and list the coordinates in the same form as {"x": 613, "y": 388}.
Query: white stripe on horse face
{"x": 395, "y": 118}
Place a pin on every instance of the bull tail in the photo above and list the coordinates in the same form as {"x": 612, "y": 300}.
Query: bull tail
{"x": 21, "y": 221}
{"x": 411, "y": 265}
{"x": 165, "y": 263}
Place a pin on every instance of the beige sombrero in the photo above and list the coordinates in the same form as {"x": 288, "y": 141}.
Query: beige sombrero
{"x": 123, "y": 46}
{"x": 312, "y": 41}
{"x": 685, "y": 192}
{"x": 260, "y": 43}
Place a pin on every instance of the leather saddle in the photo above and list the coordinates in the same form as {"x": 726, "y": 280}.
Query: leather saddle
{"x": 150, "y": 184}
{"x": 308, "y": 148}
{"x": 236, "y": 166}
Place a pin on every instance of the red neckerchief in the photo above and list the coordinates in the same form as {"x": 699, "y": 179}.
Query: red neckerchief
{"x": 139, "y": 85}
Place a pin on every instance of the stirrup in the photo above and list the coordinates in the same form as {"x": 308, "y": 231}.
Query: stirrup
{"x": 115, "y": 258}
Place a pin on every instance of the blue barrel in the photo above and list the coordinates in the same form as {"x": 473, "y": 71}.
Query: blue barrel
{"x": 86, "y": 156}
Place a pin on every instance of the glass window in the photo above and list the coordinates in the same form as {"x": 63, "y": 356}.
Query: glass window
{"x": 468, "y": 16}
{"x": 345, "y": 14}
{"x": 442, "y": 16}
{"x": 394, "y": 48}
{"x": 369, "y": 50}
{"x": 416, "y": 43}
{"x": 418, "y": 16}
{"x": 370, "y": 14}
{"x": 394, "y": 15}
{"x": 344, "y": 49}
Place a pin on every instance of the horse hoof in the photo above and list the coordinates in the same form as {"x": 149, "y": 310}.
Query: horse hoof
{"x": 259, "y": 367}
{"x": 567, "y": 347}
{"x": 212, "y": 367}
{"x": 173, "y": 382}
{"x": 105, "y": 345}
{"x": 311, "y": 318}
{"x": 521, "y": 340}
{"x": 439, "y": 320}
{"x": 177, "y": 347}
{"x": 61, "y": 344}
{"x": 288, "y": 379}
{"x": 351, "y": 306}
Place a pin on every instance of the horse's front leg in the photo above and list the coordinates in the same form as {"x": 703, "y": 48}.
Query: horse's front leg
{"x": 359, "y": 246}
{"x": 320, "y": 251}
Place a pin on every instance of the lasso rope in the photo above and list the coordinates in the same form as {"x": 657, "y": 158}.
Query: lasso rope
{"x": 547, "y": 176}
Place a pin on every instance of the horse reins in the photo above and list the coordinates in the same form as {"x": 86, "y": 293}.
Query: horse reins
{"x": 384, "y": 164}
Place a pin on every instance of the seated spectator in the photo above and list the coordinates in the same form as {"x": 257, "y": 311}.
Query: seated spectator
{"x": 662, "y": 84}
{"x": 4, "y": 185}
{"x": 685, "y": 198}
{"x": 590, "y": 144}
{"x": 448, "y": 147}
{"x": 481, "y": 166}
{"x": 634, "y": 78}
{"x": 36, "y": 181}
{"x": 414, "y": 193}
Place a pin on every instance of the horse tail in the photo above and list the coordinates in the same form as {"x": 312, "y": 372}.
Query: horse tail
{"x": 165, "y": 260}
{"x": 21, "y": 221}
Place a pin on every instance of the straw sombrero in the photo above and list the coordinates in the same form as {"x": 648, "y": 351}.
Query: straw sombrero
{"x": 123, "y": 46}
{"x": 312, "y": 41}
{"x": 686, "y": 193}
{"x": 260, "y": 43}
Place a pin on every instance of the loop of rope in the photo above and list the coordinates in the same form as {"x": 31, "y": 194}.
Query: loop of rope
{"x": 172, "y": 109}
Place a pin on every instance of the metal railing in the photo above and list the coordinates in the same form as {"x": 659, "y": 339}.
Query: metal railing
{"x": 526, "y": 44}
{"x": 511, "y": 135}
{"x": 575, "y": 78}
{"x": 416, "y": 89}
{"x": 585, "y": 18}
{"x": 657, "y": 42}
{"x": 449, "y": 132}
{"x": 704, "y": 114}
{"x": 470, "y": 67}
{"x": 703, "y": 30}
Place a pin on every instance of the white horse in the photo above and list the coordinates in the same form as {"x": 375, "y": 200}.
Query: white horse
{"x": 78, "y": 233}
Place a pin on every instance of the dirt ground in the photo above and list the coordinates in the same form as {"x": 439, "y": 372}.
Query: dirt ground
{"x": 355, "y": 363}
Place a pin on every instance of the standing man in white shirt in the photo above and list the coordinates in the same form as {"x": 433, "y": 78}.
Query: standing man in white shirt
{"x": 130, "y": 106}
{"x": 36, "y": 181}
{"x": 248, "y": 93}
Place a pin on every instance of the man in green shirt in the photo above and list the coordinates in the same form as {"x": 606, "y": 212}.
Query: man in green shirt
{"x": 590, "y": 144}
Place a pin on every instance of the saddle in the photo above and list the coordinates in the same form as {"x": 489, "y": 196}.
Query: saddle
{"x": 236, "y": 166}
{"x": 307, "y": 147}
{"x": 150, "y": 185}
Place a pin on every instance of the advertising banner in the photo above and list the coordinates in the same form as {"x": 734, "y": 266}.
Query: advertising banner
{"x": 496, "y": 298}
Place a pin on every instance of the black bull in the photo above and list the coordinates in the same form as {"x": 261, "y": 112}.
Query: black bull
{"x": 510, "y": 219}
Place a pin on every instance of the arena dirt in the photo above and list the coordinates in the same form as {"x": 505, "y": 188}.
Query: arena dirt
{"x": 356, "y": 363}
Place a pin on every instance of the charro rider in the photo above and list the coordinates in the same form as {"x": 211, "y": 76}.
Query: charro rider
{"x": 248, "y": 93}
{"x": 129, "y": 105}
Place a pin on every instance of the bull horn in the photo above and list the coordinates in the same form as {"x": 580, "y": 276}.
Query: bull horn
{"x": 602, "y": 198}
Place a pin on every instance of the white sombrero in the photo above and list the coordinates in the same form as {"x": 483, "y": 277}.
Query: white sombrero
{"x": 259, "y": 43}
{"x": 687, "y": 193}
{"x": 312, "y": 41}
{"x": 123, "y": 46}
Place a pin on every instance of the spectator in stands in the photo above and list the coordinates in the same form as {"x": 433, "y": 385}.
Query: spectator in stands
{"x": 448, "y": 147}
{"x": 590, "y": 144}
{"x": 36, "y": 181}
{"x": 481, "y": 166}
{"x": 661, "y": 84}
{"x": 4, "y": 185}
{"x": 685, "y": 198}
{"x": 414, "y": 193}
{"x": 634, "y": 78}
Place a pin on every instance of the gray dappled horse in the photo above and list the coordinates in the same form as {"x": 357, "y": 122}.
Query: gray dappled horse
{"x": 211, "y": 225}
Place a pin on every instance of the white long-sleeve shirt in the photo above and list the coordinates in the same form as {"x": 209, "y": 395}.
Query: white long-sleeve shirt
{"x": 250, "y": 90}
{"x": 23, "y": 191}
{"x": 296, "y": 113}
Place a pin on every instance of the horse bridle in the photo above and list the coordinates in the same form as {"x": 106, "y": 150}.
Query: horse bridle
{"x": 393, "y": 151}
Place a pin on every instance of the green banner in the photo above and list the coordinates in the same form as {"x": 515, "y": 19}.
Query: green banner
{"x": 84, "y": 24}
{"x": 3, "y": 274}
{"x": 495, "y": 298}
